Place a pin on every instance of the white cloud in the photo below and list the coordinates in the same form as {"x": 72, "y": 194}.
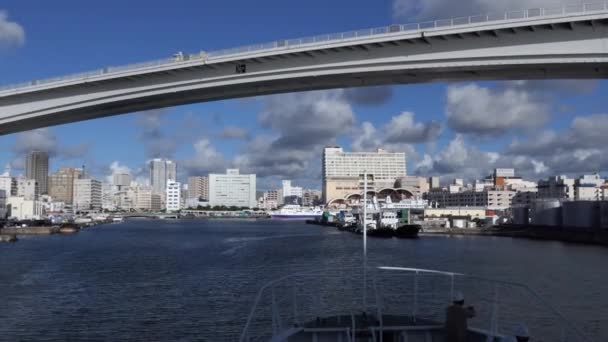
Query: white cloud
{"x": 206, "y": 159}
{"x": 11, "y": 33}
{"x": 233, "y": 132}
{"x": 483, "y": 111}
{"x": 116, "y": 168}
{"x": 403, "y": 129}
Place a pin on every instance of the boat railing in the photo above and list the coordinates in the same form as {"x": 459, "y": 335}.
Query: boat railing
{"x": 334, "y": 300}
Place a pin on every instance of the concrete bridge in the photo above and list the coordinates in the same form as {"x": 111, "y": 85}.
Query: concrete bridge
{"x": 568, "y": 42}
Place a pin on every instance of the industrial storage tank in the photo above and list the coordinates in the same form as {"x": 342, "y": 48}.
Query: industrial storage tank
{"x": 547, "y": 212}
{"x": 604, "y": 214}
{"x": 581, "y": 214}
{"x": 521, "y": 216}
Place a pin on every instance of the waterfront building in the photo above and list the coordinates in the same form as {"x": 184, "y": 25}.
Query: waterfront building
{"x": 342, "y": 170}
{"x": 87, "y": 194}
{"x": 291, "y": 193}
{"x": 146, "y": 199}
{"x": 108, "y": 196}
{"x": 19, "y": 208}
{"x": 61, "y": 184}
{"x": 473, "y": 212}
{"x": 604, "y": 192}
{"x": 2, "y": 204}
{"x": 271, "y": 199}
{"x": 198, "y": 187}
{"x": 232, "y": 189}
{"x": 418, "y": 186}
{"x": 489, "y": 198}
{"x": 311, "y": 197}
{"x": 560, "y": 187}
{"x": 173, "y": 196}
{"x": 162, "y": 171}
{"x": 37, "y": 167}
{"x": 28, "y": 189}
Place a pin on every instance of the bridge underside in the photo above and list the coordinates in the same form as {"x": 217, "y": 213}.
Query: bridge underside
{"x": 576, "y": 48}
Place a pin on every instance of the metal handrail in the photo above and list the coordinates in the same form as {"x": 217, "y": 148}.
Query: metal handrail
{"x": 286, "y": 44}
{"x": 417, "y": 271}
{"x": 509, "y": 283}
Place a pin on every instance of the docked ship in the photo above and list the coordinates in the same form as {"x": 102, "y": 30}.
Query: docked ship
{"x": 297, "y": 212}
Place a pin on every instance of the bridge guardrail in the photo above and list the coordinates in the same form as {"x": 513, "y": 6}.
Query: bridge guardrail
{"x": 287, "y": 44}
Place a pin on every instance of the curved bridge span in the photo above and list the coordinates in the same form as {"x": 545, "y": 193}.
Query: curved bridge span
{"x": 570, "y": 42}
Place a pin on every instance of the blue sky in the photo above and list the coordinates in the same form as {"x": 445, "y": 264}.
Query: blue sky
{"x": 542, "y": 128}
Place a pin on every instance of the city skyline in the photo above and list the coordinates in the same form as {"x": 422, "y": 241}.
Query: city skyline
{"x": 542, "y": 128}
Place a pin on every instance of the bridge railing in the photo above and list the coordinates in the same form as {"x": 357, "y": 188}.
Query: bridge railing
{"x": 286, "y": 44}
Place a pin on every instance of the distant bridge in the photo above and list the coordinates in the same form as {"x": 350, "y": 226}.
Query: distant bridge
{"x": 568, "y": 42}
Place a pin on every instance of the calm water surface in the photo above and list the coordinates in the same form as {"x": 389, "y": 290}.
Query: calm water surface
{"x": 196, "y": 280}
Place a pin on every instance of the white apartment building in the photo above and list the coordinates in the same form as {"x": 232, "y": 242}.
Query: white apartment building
{"x": 19, "y": 208}
{"x": 232, "y": 189}
{"x": 289, "y": 190}
{"x": 173, "y": 196}
{"x": 162, "y": 171}
{"x": 343, "y": 169}
{"x": 8, "y": 183}
{"x": 588, "y": 188}
{"x": 87, "y": 194}
{"x": 28, "y": 189}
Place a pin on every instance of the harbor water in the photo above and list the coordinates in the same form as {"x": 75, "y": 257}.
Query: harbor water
{"x": 195, "y": 280}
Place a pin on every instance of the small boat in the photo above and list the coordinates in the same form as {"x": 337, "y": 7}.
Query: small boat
{"x": 69, "y": 228}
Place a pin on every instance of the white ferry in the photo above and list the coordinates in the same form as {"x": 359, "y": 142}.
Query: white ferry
{"x": 293, "y": 211}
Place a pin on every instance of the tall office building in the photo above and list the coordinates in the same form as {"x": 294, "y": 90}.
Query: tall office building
{"x": 341, "y": 170}
{"x": 198, "y": 187}
{"x": 87, "y": 194}
{"x": 37, "y": 167}
{"x": 232, "y": 189}
{"x": 61, "y": 184}
{"x": 161, "y": 171}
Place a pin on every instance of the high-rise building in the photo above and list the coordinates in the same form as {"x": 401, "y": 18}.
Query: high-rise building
{"x": 342, "y": 170}
{"x": 173, "y": 196}
{"x": 37, "y": 167}
{"x": 87, "y": 194}
{"x": 61, "y": 184}
{"x": 198, "y": 187}
{"x": 161, "y": 171}
{"x": 232, "y": 189}
{"x": 121, "y": 180}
